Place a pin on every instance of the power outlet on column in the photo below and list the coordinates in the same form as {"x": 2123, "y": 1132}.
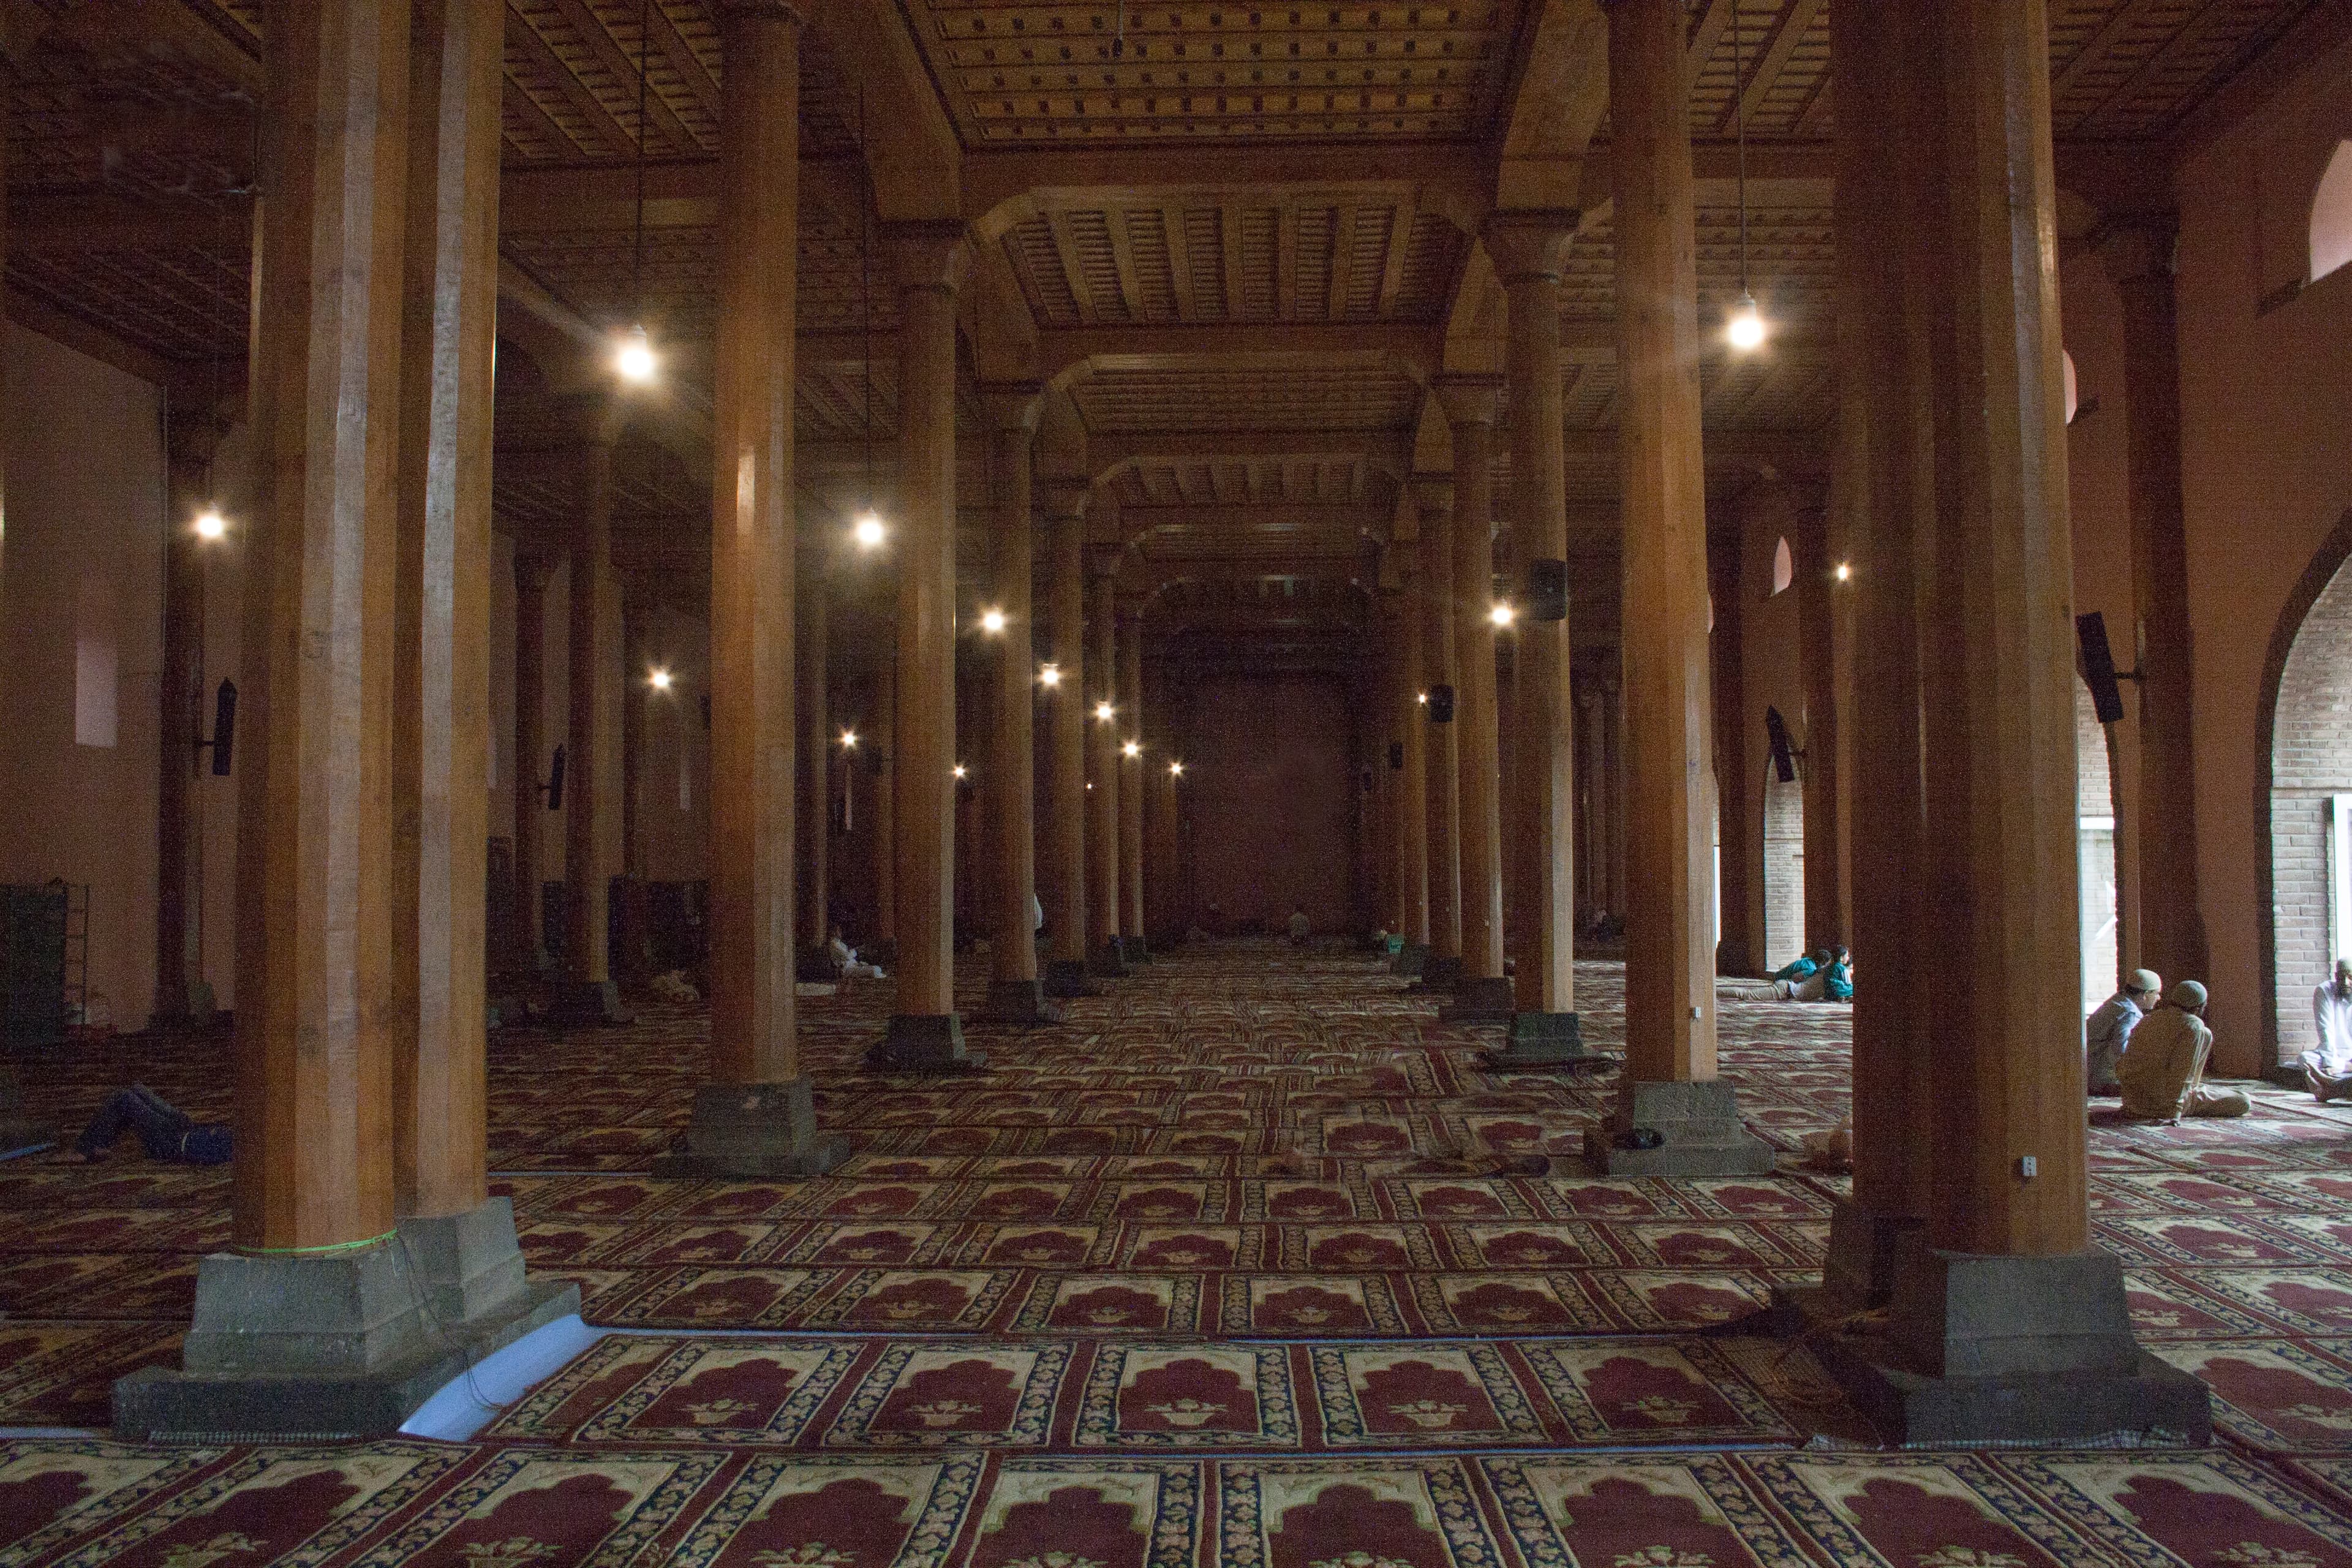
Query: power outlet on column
{"x": 2028, "y": 1167}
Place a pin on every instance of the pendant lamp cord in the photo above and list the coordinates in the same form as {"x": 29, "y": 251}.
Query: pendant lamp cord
{"x": 866, "y": 301}
{"x": 1740, "y": 114}
{"x": 638, "y": 246}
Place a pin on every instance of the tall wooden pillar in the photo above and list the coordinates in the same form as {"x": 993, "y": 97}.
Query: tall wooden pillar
{"x": 2005, "y": 1326}
{"x": 313, "y": 1196}
{"x": 925, "y": 1033}
{"x": 881, "y": 763}
{"x": 1482, "y": 995}
{"x": 1131, "y": 771}
{"x": 1826, "y": 917}
{"x": 1737, "y": 947}
{"x": 757, "y": 1117}
{"x": 812, "y": 759}
{"x": 2138, "y": 252}
{"x": 183, "y": 715}
{"x": 629, "y": 913}
{"x": 591, "y": 815}
{"x": 1670, "y": 1083}
{"x": 1015, "y": 994}
{"x": 1066, "y": 721}
{"x": 530, "y": 756}
{"x": 1441, "y": 800}
{"x": 1414, "y": 720}
{"x": 1529, "y": 250}
{"x": 1105, "y": 953}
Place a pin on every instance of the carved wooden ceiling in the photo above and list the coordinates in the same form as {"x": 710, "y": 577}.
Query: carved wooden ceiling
{"x": 1235, "y": 323}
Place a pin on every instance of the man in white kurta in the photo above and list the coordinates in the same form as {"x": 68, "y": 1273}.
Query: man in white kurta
{"x": 2329, "y": 1069}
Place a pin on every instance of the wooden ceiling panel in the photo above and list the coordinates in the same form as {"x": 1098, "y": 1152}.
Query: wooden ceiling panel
{"x": 1246, "y": 398}
{"x": 1019, "y": 73}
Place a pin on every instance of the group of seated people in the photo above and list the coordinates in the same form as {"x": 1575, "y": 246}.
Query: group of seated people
{"x": 2153, "y": 1053}
{"x": 1824, "y": 974}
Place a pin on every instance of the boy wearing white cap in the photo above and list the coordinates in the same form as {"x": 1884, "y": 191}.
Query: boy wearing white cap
{"x": 2108, "y": 1029}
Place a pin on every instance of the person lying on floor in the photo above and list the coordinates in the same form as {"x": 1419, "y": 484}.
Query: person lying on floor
{"x": 2163, "y": 1071}
{"x": 2108, "y": 1030}
{"x": 1800, "y": 967}
{"x": 845, "y": 959}
{"x": 166, "y": 1131}
{"x": 1826, "y": 979}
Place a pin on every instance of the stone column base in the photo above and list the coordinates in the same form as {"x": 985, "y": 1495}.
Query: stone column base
{"x": 321, "y": 1346}
{"x": 1110, "y": 962}
{"x": 924, "y": 1042}
{"x": 1993, "y": 1350}
{"x": 1067, "y": 978}
{"x": 585, "y": 1005}
{"x": 1410, "y": 960}
{"x": 1482, "y": 1000}
{"x": 1438, "y": 974}
{"x": 1018, "y": 1005}
{"x": 469, "y": 1264}
{"x": 1700, "y": 1128}
{"x": 753, "y": 1130}
{"x": 1544, "y": 1041}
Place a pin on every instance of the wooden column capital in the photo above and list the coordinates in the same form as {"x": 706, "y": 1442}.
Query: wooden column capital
{"x": 1469, "y": 399}
{"x": 1433, "y": 494}
{"x": 2139, "y": 247}
{"x": 928, "y": 253}
{"x": 1531, "y": 242}
{"x": 1014, "y": 406}
{"x": 1065, "y": 499}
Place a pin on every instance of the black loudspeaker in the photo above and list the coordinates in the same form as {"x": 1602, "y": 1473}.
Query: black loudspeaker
{"x": 1441, "y": 705}
{"x": 555, "y": 782}
{"x": 1548, "y": 590}
{"x": 1396, "y": 754}
{"x": 1784, "y": 760}
{"x": 223, "y": 740}
{"x": 2099, "y": 666}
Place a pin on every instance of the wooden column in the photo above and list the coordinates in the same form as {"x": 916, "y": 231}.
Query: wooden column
{"x": 2005, "y": 1326}
{"x": 1015, "y": 993}
{"x": 591, "y": 820}
{"x": 757, "y": 1117}
{"x": 1670, "y": 1081}
{"x": 315, "y": 1022}
{"x": 812, "y": 759}
{"x": 2138, "y": 252}
{"x": 1064, "y": 879}
{"x": 1413, "y": 720}
{"x": 1826, "y": 917}
{"x": 925, "y": 1033}
{"x": 629, "y": 913}
{"x": 1483, "y": 995}
{"x": 1163, "y": 857}
{"x": 1530, "y": 249}
{"x": 531, "y": 753}
{"x": 1102, "y": 767}
{"x": 1738, "y": 947}
{"x": 184, "y": 714}
{"x": 1442, "y": 837}
{"x": 1131, "y": 771}
{"x": 881, "y": 764}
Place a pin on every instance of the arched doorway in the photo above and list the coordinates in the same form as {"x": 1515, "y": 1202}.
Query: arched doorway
{"x": 2308, "y": 798}
{"x": 1784, "y": 870}
{"x": 2095, "y": 848}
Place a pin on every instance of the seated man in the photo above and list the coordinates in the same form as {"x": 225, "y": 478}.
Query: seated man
{"x": 2329, "y": 1069}
{"x": 1837, "y": 980}
{"x": 165, "y": 1132}
{"x": 2163, "y": 1072}
{"x": 2107, "y": 1031}
{"x": 845, "y": 958}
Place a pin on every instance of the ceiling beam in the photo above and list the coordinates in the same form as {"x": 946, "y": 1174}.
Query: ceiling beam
{"x": 1057, "y": 177}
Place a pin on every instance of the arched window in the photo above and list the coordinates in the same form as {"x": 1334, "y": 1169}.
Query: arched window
{"x": 2331, "y": 216}
{"x": 1784, "y": 570}
{"x": 2074, "y": 395}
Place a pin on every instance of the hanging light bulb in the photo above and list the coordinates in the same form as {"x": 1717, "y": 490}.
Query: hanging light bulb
{"x": 1844, "y": 571}
{"x": 867, "y": 530}
{"x": 635, "y": 358}
{"x": 1177, "y": 769}
{"x": 1132, "y": 749}
{"x": 1503, "y": 615}
{"x": 1103, "y": 711}
{"x": 659, "y": 680}
{"x": 1050, "y": 674}
{"x": 1745, "y": 328}
{"x": 1420, "y": 697}
{"x": 992, "y": 622}
{"x": 849, "y": 739}
{"x": 210, "y": 524}
{"x": 961, "y": 772}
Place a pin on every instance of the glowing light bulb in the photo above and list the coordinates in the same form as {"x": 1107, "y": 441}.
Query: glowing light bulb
{"x": 961, "y": 772}
{"x": 1177, "y": 769}
{"x": 635, "y": 358}
{"x": 211, "y": 524}
{"x": 1745, "y": 330}
{"x": 849, "y": 739}
{"x": 867, "y": 532}
{"x": 1420, "y": 697}
{"x": 1503, "y": 615}
{"x": 1131, "y": 750}
{"x": 659, "y": 680}
{"x": 1102, "y": 711}
{"x": 992, "y": 621}
{"x": 1844, "y": 571}
{"x": 1051, "y": 675}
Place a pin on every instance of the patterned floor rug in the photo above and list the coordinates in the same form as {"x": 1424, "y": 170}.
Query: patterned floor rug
{"x": 1239, "y": 1265}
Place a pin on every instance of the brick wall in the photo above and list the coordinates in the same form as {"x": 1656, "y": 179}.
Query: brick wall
{"x": 2311, "y": 758}
{"x": 1784, "y": 870}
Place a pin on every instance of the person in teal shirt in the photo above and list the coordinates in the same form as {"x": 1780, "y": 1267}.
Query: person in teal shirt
{"x": 1837, "y": 980}
{"x": 1802, "y": 968}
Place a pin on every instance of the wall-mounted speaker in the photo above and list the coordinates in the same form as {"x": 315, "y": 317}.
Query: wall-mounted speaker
{"x": 1441, "y": 705}
{"x": 2099, "y": 671}
{"x": 1784, "y": 756}
{"x": 223, "y": 740}
{"x": 555, "y": 782}
{"x": 1548, "y": 590}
